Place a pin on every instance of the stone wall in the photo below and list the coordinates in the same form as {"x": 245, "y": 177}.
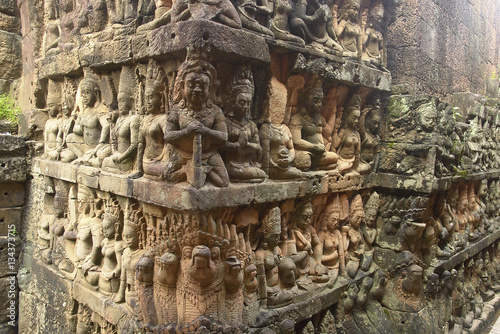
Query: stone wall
{"x": 13, "y": 171}
{"x": 10, "y": 45}
{"x": 242, "y": 168}
{"x": 441, "y": 47}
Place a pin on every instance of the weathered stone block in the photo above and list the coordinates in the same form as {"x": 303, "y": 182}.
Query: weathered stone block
{"x": 10, "y": 217}
{"x": 8, "y": 328}
{"x": 10, "y": 56}
{"x": 8, "y": 7}
{"x": 9, "y": 250}
{"x": 225, "y": 42}
{"x": 11, "y": 194}
{"x": 11, "y": 145}
{"x": 13, "y": 169}
{"x": 8, "y": 289}
{"x": 10, "y": 23}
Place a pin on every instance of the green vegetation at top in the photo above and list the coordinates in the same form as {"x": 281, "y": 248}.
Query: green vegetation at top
{"x": 8, "y": 109}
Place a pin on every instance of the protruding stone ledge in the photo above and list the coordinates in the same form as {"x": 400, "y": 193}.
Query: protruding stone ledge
{"x": 225, "y": 42}
{"x": 184, "y": 197}
{"x": 427, "y": 185}
{"x": 468, "y": 252}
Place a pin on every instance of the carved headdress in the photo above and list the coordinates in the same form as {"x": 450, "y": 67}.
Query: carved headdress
{"x": 136, "y": 220}
{"x": 271, "y": 223}
{"x": 196, "y": 61}
{"x": 242, "y": 82}
{"x": 356, "y": 204}
{"x": 127, "y": 81}
{"x": 156, "y": 80}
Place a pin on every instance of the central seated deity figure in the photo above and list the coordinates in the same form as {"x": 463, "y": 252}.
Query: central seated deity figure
{"x": 196, "y": 127}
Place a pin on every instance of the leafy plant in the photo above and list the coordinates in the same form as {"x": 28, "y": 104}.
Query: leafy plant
{"x": 8, "y": 109}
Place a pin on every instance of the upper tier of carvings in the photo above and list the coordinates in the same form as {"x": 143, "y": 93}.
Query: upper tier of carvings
{"x": 352, "y": 28}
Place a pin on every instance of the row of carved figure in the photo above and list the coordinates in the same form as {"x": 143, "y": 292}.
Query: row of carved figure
{"x": 227, "y": 264}
{"x": 437, "y": 229}
{"x": 322, "y": 27}
{"x": 190, "y": 138}
{"x": 447, "y": 302}
{"x": 444, "y": 140}
{"x": 173, "y": 268}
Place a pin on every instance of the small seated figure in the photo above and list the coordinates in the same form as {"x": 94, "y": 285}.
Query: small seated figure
{"x": 59, "y": 255}
{"x": 89, "y": 235}
{"x": 267, "y": 257}
{"x": 347, "y": 141}
{"x": 369, "y": 230}
{"x": 152, "y": 155}
{"x": 124, "y": 132}
{"x": 278, "y": 152}
{"x": 131, "y": 255}
{"x": 333, "y": 255}
{"x": 312, "y": 22}
{"x": 249, "y": 10}
{"x": 370, "y": 139}
{"x": 374, "y": 51}
{"x": 306, "y": 128}
{"x": 347, "y": 29}
{"x": 305, "y": 248}
{"x": 220, "y": 11}
{"x": 196, "y": 128}
{"x": 67, "y": 122}
{"x": 354, "y": 244}
{"x": 45, "y": 237}
{"x": 68, "y": 25}
{"x": 52, "y": 33}
{"x": 279, "y": 23}
{"x": 90, "y": 138}
{"x": 92, "y": 16}
{"x": 111, "y": 249}
{"x": 52, "y": 126}
{"x": 288, "y": 285}
{"x": 242, "y": 149}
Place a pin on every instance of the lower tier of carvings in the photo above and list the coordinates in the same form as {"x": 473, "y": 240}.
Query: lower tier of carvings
{"x": 460, "y": 295}
{"x": 349, "y": 257}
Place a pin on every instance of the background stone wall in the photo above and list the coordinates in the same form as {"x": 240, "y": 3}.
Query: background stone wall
{"x": 445, "y": 46}
{"x": 10, "y": 45}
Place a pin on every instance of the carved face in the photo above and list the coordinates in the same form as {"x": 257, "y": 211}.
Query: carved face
{"x": 353, "y": 119}
{"x": 68, "y": 104}
{"x": 483, "y": 189}
{"x": 89, "y": 95}
{"x": 428, "y": 120}
{"x": 196, "y": 88}
{"x": 373, "y": 123}
{"x": 273, "y": 239}
{"x": 314, "y": 100}
{"x": 50, "y": 12}
{"x": 304, "y": 217}
{"x": 168, "y": 266}
{"x": 353, "y": 12}
{"x": 124, "y": 103}
{"x": 356, "y": 218}
{"x": 332, "y": 223}
{"x": 153, "y": 101}
{"x": 108, "y": 227}
{"x": 53, "y": 105}
{"x": 243, "y": 102}
{"x": 454, "y": 198}
{"x": 144, "y": 271}
{"x": 130, "y": 237}
{"x": 370, "y": 216}
{"x": 59, "y": 206}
